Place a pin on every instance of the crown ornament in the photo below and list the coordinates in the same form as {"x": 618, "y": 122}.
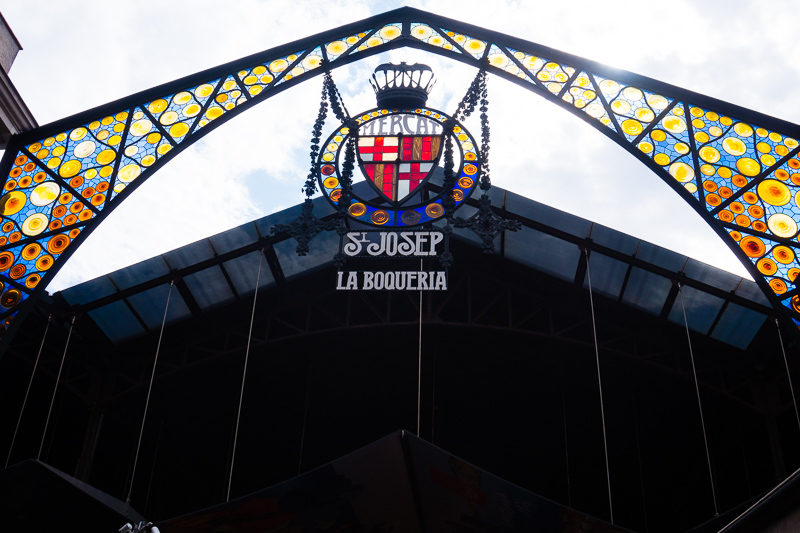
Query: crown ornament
{"x": 403, "y": 85}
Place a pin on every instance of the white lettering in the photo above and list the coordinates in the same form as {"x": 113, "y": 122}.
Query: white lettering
{"x": 441, "y": 281}
{"x": 368, "y": 285}
{"x": 352, "y": 281}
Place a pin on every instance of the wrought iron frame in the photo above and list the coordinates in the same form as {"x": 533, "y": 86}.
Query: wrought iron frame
{"x": 554, "y": 75}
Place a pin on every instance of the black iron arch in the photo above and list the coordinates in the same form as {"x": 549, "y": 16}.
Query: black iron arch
{"x": 739, "y": 169}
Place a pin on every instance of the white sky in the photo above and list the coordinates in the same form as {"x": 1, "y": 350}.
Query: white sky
{"x": 81, "y": 54}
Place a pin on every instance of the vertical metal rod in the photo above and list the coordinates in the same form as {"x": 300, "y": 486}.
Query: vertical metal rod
{"x": 305, "y": 422}
{"x": 55, "y": 388}
{"x": 788, "y": 373}
{"x": 28, "y": 390}
{"x": 419, "y": 358}
{"x": 599, "y": 386}
{"x": 149, "y": 390}
{"x": 699, "y": 404}
{"x": 244, "y": 376}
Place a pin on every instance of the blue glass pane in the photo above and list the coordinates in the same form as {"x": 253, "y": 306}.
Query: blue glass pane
{"x": 149, "y": 305}
{"x": 701, "y": 309}
{"x": 547, "y": 215}
{"x": 711, "y": 275}
{"x": 646, "y": 291}
{"x": 660, "y": 256}
{"x": 234, "y": 238}
{"x": 89, "y": 291}
{"x": 209, "y": 287}
{"x": 607, "y": 274}
{"x": 243, "y": 270}
{"x": 543, "y": 252}
{"x": 738, "y": 325}
{"x": 117, "y": 321}
{"x": 614, "y": 239}
{"x": 139, "y": 273}
{"x": 322, "y": 249}
{"x": 189, "y": 255}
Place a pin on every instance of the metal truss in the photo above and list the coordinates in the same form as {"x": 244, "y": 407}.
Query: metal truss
{"x": 738, "y": 168}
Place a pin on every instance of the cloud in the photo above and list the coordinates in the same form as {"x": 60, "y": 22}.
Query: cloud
{"x": 82, "y": 54}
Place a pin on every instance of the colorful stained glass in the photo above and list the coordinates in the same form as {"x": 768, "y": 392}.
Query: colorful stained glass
{"x": 745, "y": 175}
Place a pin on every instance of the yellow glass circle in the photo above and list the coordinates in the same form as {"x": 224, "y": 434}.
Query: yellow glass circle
{"x": 106, "y": 156}
{"x": 709, "y": 153}
{"x": 77, "y": 134}
{"x": 279, "y": 65}
{"x": 734, "y": 146}
{"x": 214, "y": 112}
{"x": 657, "y": 101}
{"x": 157, "y": 106}
{"x": 179, "y": 130}
{"x": 203, "y": 90}
{"x": 748, "y": 166}
{"x": 129, "y": 173}
{"x": 743, "y": 130}
{"x": 632, "y": 127}
{"x": 644, "y": 114}
{"x": 782, "y": 225}
{"x": 181, "y": 97}
{"x": 774, "y": 192}
{"x": 12, "y": 203}
{"x": 681, "y": 172}
{"x": 620, "y": 107}
{"x": 682, "y": 148}
{"x": 701, "y": 137}
{"x": 632, "y": 93}
{"x": 761, "y": 132}
{"x": 661, "y": 159}
{"x": 716, "y": 131}
{"x": 141, "y": 127}
{"x": 84, "y": 149}
{"x": 170, "y": 117}
{"x": 645, "y": 147}
{"x": 658, "y": 135}
{"x": 390, "y": 32}
{"x": 45, "y": 193}
{"x": 191, "y": 110}
{"x": 35, "y": 224}
{"x": 70, "y": 168}
{"x": 674, "y": 124}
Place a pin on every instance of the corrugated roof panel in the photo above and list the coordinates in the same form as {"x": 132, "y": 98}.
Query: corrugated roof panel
{"x": 750, "y": 290}
{"x": 711, "y": 275}
{"x": 614, "y": 239}
{"x": 607, "y": 274}
{"x": 234, "y": 238}
{"x": 660, "y": 256}
{"x": 547, "y": 215}
{"x": 322, "y": 249}
{"x": 89, "y": 291}
{"x": 542, "y": 251}
{"x": 646, "y": 290}
{"x": 189, "y": 255}
{"x": 139, "y": 273}
{"x": 149, "y": 305}
{"x": 243, "y": 270}
{"x": 209, "y": 287}
{"x": 701, "y": 309}
{"x": 117, "y": 321}
{"x": 738, "y": 325}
